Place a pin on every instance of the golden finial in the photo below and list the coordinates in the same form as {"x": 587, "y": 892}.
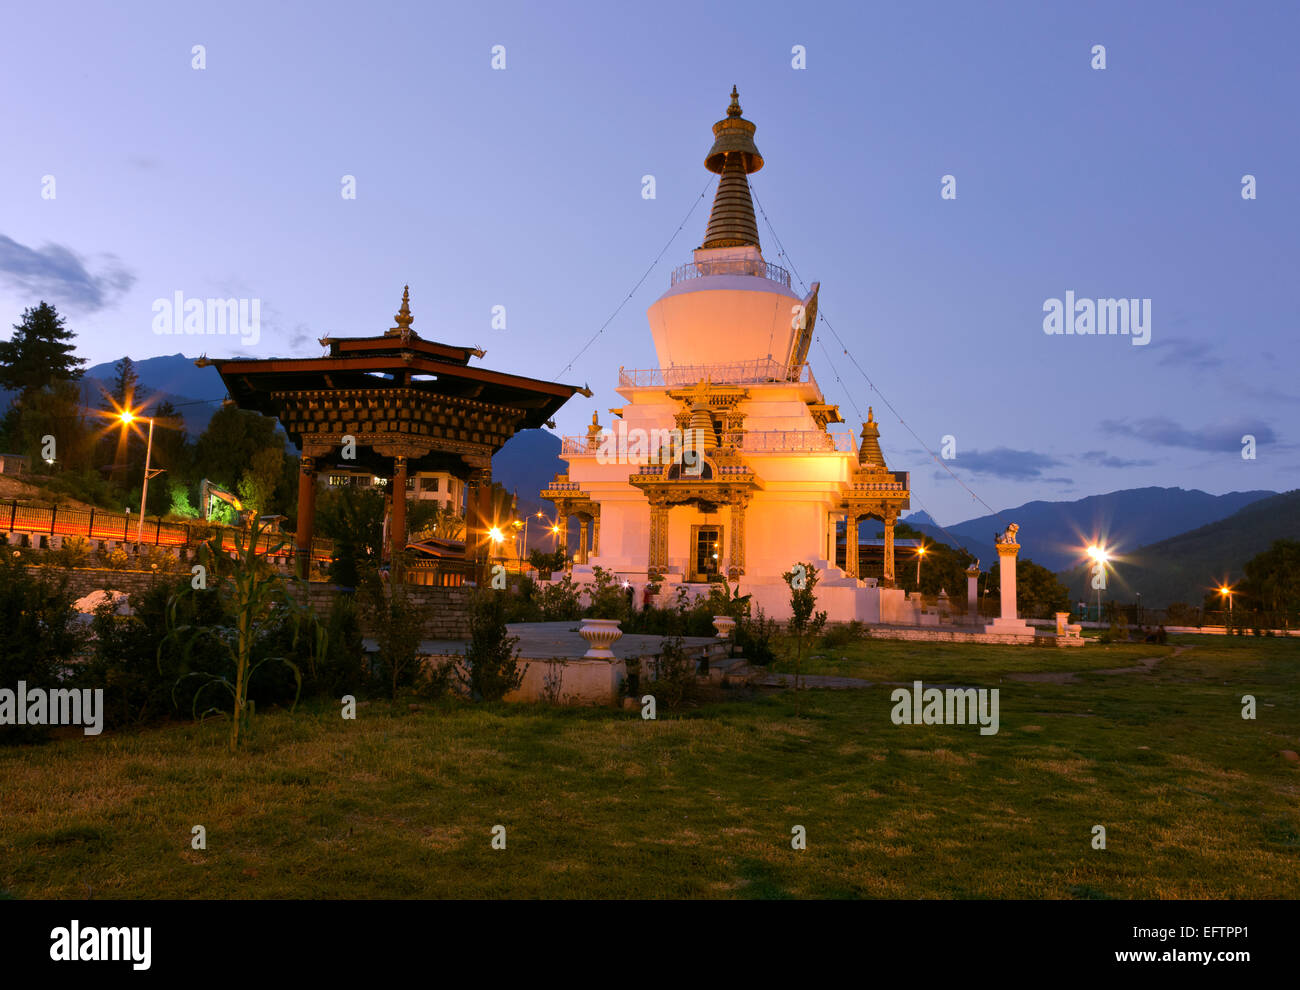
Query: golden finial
{"x": 595, "y": 421}
{"x": 871, "y": 418}
{"x": 733, "y": 156}
{"x": 403, "y": 316}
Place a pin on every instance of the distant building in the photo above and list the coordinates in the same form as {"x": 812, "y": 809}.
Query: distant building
{"x": 427, "y": 486}
{"x": 14, "y": 463}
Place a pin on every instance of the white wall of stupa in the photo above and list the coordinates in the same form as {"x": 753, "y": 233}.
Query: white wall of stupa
{"x": 731, "y": 338}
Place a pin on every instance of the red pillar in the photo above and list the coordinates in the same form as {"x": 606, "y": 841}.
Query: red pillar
{"x": 397, "y": 531}
{"x": 306, "y": 514}
{"x": 478, "y": 519}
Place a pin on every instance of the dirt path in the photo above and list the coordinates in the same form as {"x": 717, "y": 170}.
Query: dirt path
{"x": 1144, "y": 666}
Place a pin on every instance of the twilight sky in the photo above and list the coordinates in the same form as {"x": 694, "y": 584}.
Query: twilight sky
{"x": 522, "y": 188}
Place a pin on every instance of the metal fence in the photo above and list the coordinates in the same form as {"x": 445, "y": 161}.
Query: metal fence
{"x": 118, "y": 527}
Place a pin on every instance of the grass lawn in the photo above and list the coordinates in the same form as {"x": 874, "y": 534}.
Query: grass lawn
{"x": 1196, "y": 801}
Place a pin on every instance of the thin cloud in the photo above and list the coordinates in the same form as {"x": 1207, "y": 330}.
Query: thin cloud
{"x": 59, "y": 273}
{"x": 1164, "y": 432}
{"x": 1004, "y": 462}
{"x": 1111, "y": 461}
{"x": 1196, "y": 354}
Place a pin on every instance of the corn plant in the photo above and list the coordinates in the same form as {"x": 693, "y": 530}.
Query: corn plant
{"x": 254, "y": 599}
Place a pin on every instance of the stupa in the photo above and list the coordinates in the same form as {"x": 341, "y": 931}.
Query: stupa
{"x": 723, "y": 463}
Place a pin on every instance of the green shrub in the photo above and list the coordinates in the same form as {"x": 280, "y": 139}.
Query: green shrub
{"x": 75, "y": 552}
{"x": 674, "y": 674}
{"x": 841, "y": 635}
{"x": 559, "y": 601}
{"x": 491, "y": 668}
{"x": 342, "y": 668}
{"x": 39, "y": 635}
{"x": 755, "y": 639}
{"x": 398, "y": 631}
{"x": 136, "y": 664}
{"x": 607, "y": 597}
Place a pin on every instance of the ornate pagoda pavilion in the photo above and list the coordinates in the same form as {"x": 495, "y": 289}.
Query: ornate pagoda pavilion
{"x": 394, "y": 404}
{"x": 742, "y": 475}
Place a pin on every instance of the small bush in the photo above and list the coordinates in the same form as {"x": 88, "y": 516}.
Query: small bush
{"x": 38, "y": 635}
{"x": 75, "y": 552}
{"x": 434, "y": 679}
{"x": 342, "y": 668}
{"x": 755, "y": 639}
{"x": 607, "y": 599}
{"x": 397, "y": 628}
{"x": 674, "y": 674}
{"x": 492, "y": 668}
{"x": 841, "y": 635}
{"x": 559, "y": 601}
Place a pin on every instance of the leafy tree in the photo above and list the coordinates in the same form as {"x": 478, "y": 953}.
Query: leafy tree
{"x": 171, "y": 447}
{"x": 55, "y": 411}
{"x": 1272, "y": 579}
{"x": 181, "y": 504}
{"x": 802, "y": 579}
{"x": 226, "y": 448}
{"x": 354, "y": 519}
{"x": 545, "y": 562}
{"x": 39, "y": 354}
{"x": 257, "y": 487}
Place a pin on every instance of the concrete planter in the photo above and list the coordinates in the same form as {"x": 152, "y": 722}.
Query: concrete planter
{"x": 725, "y": 625}
{"x": 601, "y": 634}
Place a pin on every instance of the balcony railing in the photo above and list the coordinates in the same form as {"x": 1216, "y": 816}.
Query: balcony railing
{"x": 759, "y": 371}
{"x": 793, "y": 441}
{"x": 898, "y": 483}
{"x": 734, "y": 266}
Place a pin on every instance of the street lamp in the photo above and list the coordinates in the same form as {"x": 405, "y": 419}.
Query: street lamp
{"x": 1225, "y": 590}
{"x": 1099, "y": 554}
{"x": 127, "y": 417}
{"x": 920, "y": 552}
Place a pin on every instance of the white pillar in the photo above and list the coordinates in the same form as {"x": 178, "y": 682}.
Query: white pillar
{"x": 972, "y": 592}
{"x": 1008, "y": 623}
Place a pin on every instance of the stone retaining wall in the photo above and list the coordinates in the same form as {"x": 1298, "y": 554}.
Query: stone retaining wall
{"x": 444, "y": 612}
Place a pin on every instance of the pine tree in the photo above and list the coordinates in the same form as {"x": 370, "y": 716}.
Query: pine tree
{"x": 39, "y": 354}
{"x": 126, "y": 391}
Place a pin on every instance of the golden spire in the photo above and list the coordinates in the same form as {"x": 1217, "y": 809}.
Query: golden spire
{"x": 701, "y": 428}
{"x": 733, "y": 156}
{"x": 404, "y": 318}
{"x": 869, "y": 451}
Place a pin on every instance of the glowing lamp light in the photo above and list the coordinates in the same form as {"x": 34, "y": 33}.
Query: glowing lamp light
{"x": 1098, "y": 554}
{"x": 495, "y": 535}
{"x": 126, "y": 416}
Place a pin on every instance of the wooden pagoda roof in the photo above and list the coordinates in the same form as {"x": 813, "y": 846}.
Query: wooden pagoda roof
{"x": 403, "y": 373}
